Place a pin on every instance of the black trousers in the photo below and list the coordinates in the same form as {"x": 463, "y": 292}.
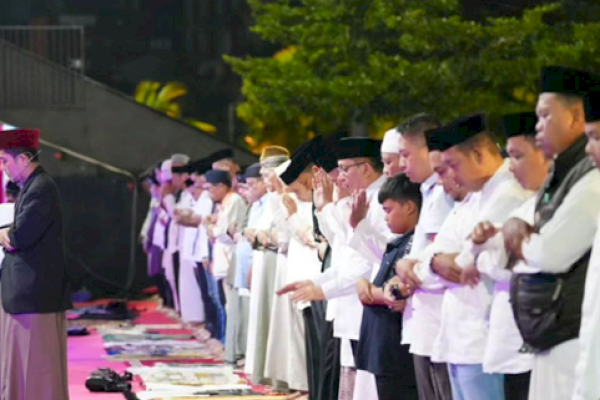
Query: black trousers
{"x": 319, "y": 311}
{"x": 329, "y": 384}
{"x": 176, "y": 268}
{"x": 164, "y": 288}
{"x": 433, "y": 381}
{"x": 313, "y": 351}
{"x": 161, "y": 284}
{"x": 389, "y": 387}
{"x": 516, "y": 387}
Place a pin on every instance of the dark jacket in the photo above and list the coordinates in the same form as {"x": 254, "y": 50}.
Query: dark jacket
{"x": 33, "y": 277}
{"x": 379, "y": 349}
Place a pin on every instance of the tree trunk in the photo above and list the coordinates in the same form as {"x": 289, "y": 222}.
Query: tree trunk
{"x": 358, "y": 124}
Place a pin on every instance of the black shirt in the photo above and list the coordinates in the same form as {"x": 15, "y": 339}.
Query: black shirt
{"x": 379, "y": 348}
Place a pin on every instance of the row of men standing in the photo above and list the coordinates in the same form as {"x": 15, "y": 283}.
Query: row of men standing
{"x": 425, "y": 266}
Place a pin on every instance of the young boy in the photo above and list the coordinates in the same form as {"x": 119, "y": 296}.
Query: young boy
{"x": 379, "y": 350}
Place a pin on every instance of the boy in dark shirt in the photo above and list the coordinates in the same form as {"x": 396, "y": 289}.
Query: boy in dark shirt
{"x": 379, "y": 350}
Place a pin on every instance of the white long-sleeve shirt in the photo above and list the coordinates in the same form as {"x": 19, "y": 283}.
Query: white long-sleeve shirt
{"x": 465, "y": 311}
{"x": 303, "y": 260}
{"x": 571, "y": 231}
{"x": 335, "y": 232}
{"x": 352, "y": 260}
{"x": 502, "y": 352}
{"x": 202, "y": 208}
{"x": 422, "y": 315}
{"x": 347, "y": 266}
{"x": 587, "y": 372}
{"x": 371, "y": 235}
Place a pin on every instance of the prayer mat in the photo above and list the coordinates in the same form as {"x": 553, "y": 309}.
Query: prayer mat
{"x": 161, "y": 349}
{"x": 151, "y": 396}
{"x": 189, "y": 376}
{"x": 126, "y": 337}
{"x": 95, "y": 324}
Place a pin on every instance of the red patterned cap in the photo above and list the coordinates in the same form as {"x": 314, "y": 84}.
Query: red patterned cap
{"x": 28, "y": 138}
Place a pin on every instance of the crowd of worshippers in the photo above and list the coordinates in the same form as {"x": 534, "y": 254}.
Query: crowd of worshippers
{"x": 434, "y": 264}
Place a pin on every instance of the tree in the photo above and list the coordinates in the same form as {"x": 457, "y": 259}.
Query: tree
{"x": 382, "y": 60}
{"x": 163, "y": 98}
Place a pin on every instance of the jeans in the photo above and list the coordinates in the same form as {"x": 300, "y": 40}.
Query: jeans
{"x": 469, "y": 382}
{"x": 215, "y": 312}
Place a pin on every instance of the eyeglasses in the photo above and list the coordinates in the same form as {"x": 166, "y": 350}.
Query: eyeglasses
{"x": 345, "y": 169}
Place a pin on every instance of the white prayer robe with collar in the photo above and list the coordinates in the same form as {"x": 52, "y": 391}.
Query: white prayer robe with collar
{"x": 160, "y": 228}
{"x": 202, "y": 208}
{"x": 424, "y": 308}
{"x": 330, "y": 223}
{"x": 192, "y": 309}
{"x": 502, "y": 355}
{"x": 464, "y": 325}
{"x": 304, "y": 261}
{"x": 286, "y": 350}
{"x": 257, "y": 291}
{"x": 348, "y": 265}
{"x": 587, "y": 372}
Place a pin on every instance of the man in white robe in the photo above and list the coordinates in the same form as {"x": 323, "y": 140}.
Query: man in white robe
{"x": 477, "y": 164}
{"x": 197, "y": 218}
{"x": 174, "y": 197}
{"x": 192, "y": 306}
{"x": 231, "y": 216}
{"x": 422, "y": 316}
{"x": 558, "y": 243}
{"x": 503, "y": 352}
{"x": 264, "y": 267}
{"x": 288, "y": 335}
{"x": 360, "y": 166}
{"x": 254, "y": 191}
{"x": 587, "y": 384}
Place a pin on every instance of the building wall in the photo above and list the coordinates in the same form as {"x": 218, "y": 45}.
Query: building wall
{"x": 100, "y": 215}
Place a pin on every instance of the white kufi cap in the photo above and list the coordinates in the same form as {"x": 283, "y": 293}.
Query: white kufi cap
{"x": 165, "y": 171}
{"x": 390, "y": 142}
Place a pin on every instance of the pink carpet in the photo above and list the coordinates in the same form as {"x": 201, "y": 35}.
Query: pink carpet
{"x": 86, "y": 354}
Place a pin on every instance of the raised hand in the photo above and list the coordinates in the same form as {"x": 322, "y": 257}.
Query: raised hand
{"x": 318, "y": 198}
{"x": 360, "y": 207}
{"x": 328, "y": 187}
{"x": 277, "y": 184}
{"x": 290, "y": 204}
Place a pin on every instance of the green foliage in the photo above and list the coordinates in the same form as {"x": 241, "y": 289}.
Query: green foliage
{"x": 389, "y": 59}
{"x": 164, "y": 98}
